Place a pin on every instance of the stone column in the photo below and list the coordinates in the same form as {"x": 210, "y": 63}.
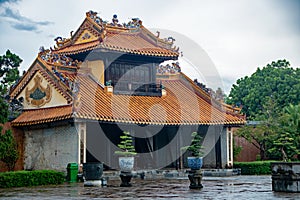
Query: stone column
{"x": 81, "y": 128}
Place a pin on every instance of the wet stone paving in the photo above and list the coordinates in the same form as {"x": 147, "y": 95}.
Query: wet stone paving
{"x": 234, "y": 187}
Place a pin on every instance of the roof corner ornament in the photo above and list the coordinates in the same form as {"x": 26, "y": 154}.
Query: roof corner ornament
{"x": 158, "y": 34}
{"x": 171, "y": 39}
{"x": 91, "y": 14}
{"x": 41, "y": 49}
{"x": 60, "y": 42}
{"x": 175, "y": 48}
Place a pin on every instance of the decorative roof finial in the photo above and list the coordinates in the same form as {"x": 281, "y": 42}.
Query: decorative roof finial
{"x": 171, "y": 39}
{"x": 91, "y": 14}
{"x": 42, "y": 49}
{"x": 158, "y": 33}
{"x": 115, "y": 20}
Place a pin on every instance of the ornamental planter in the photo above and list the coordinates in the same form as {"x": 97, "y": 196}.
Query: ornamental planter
{"x": 286, "y": 176}
{"x": 92, "y": 173}
{"x": 126, "y": 164}
{"x": 195, "y": 163}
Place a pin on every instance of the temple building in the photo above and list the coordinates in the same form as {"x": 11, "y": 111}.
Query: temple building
{"x": 106, "y": 78}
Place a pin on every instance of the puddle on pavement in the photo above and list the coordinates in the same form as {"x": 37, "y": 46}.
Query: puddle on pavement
{"x": 238, "y": 187}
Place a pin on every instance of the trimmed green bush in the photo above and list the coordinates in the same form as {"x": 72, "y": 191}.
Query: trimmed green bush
{"x": 31, "y": 178}
{"x": 254, "y": 168}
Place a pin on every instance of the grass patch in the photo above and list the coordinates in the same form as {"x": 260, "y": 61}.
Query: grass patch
{"x": 31, "y": 178}
{"x": 254, "y": 168}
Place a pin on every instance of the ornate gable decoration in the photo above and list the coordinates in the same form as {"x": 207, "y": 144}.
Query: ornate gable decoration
{"x": 38, "y": 95}
{"x": 85, "y": 36}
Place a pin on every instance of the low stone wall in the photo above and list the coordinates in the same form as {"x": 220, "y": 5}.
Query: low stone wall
{"x": 286, "y": 176}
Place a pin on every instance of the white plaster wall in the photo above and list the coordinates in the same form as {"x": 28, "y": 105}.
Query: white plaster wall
{"x": 51, "y": 148}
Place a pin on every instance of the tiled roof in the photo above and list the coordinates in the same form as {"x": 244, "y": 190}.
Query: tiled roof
{"x": 184, "y": 103}
{"x": 134, "y": 43}
{"x": 181, "y": 105}
{"x": 78, "y": 48}
{"x": 43, "y": 115}
{"x": 122, "y": 39}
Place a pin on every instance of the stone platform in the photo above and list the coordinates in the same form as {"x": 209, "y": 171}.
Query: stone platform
{"x": 165, "y": 173}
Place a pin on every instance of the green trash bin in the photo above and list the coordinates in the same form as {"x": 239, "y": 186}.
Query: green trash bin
{"x": 72, "y": 171}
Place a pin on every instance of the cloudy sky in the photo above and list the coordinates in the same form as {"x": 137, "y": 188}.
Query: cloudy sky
{"x": 225, "y": 39}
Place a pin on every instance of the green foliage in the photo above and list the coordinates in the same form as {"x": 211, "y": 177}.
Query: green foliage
{"x": 267, "y": 128}
{"x": 287, "y": 142}
{"x": 195, "y": 147}
{"x": 9, "y": 73}
{"x": 254, "y": 168}
{"x": 30, "y": 178}
{"x": 277, "y": 81}
{"x": 8, "y": 149}
{"x": 3, "y": 110}
{"x": 259, "y": 136}
{"x": 126, "y": 145}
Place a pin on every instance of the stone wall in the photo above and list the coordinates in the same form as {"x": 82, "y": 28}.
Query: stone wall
{"x": 19, "y": 137}
{"x": 51, "y": 148}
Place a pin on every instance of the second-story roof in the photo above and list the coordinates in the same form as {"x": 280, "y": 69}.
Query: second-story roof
{"x": 131, "y": 37}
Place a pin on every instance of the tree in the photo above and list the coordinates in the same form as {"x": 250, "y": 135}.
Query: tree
{"x": 9, "y": 73}
{"x": 276, "y": 80}
{"x": 262, "y": 132}
{"x": 195, "y": 147}
{"x": 126, "y": 145}
{"x": 287, "y": 142}
{"x": 8, "y": 149}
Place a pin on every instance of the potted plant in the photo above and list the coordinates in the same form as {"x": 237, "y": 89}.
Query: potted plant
{"x": 195, "y": 161}
{"x": 127, "y": 152}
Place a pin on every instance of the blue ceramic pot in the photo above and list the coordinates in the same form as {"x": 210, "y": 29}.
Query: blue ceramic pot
{"x": 195, "y": 163}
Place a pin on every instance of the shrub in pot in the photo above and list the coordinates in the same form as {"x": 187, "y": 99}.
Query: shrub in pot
{"x": 195, "y": 148}
{"x": 127, "y": 152}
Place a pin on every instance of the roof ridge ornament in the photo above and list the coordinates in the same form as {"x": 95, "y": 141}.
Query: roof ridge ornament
{"x": 93, "y": 15}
